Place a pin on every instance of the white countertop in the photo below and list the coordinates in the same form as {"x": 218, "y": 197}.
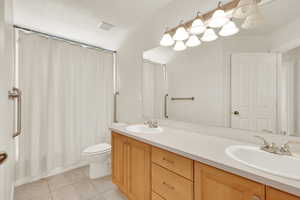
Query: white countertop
{"x": 209, "y": 150}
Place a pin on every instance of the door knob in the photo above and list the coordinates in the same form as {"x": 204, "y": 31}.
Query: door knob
{"x": 236, "y": 112}
{"x": 3, "y": 157}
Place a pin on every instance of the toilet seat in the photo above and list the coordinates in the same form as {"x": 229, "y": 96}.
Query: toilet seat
{"x": 97, "y": 149}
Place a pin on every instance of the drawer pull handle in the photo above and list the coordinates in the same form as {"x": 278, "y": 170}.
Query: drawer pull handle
{"x": 255, "y": 198}
{"x": 167, "y": 160}
{"x": 168, "y": 186}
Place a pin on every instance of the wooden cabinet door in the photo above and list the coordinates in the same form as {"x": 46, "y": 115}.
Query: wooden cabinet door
{"x": 215, "y": 184}
{"x": 119, "y": 146}
{"x": 138, "y": 170}
{"x": 273, "y": 194}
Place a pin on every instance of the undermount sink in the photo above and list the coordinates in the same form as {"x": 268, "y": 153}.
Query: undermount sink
{"x": 284, "y": 166}
{"x": 141, "y": 128}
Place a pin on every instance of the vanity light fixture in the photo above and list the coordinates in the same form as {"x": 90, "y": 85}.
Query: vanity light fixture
{"x": 219, "y": 18}
{"x": 254, "y": 19}
{"x": 167, "y": 40}
{"x": 179, "y": 46}
{"x": 229, "y": 29}
{"x": 209, "y": 35}
{"x": 193, "y": 41}
{"x": 243, "y": 9}
{"x": 181, "y": 33}
{"x": 197, "y": 26}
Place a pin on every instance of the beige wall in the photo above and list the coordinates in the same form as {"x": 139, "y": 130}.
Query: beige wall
{"x": 204, "y": 72}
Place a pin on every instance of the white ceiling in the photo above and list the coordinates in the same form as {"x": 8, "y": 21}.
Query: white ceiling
{"x": 78, "y": 19}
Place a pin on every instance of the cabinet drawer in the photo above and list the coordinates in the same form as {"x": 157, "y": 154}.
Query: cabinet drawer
{"x": 178, "y": 164}
{"x": 170, "y": 185}
{"x": 156, "y": 196}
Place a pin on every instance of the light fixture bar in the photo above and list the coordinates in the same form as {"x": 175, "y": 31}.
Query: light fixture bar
{"x": 226, "y": 7}
{"x": 206, "y": 16}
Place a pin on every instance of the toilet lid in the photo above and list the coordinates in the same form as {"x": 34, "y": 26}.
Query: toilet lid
{"x": 99, "y": 148}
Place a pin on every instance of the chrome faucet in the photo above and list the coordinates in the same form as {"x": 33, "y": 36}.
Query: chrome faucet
{"x": 273, "y": 148}
{"x": 285, "y": 149}
{"x": 151, "y": 123}
{"x": 268, "y": 147}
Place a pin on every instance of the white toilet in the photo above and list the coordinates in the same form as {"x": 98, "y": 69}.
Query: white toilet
{"x": 98, "y": 157}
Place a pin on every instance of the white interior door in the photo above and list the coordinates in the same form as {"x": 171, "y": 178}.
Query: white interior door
{"x": 6, "y": 105}
{"x": 253, "y": 91}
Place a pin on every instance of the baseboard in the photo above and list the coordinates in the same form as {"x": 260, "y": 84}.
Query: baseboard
{"x": 53, "y": 172}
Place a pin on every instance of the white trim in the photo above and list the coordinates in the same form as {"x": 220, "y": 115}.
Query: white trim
{"x": 290, "y": 98}
{"x": 53, "y": 172}
{"x": 227, "y": 90}
{"x": 276, "y": 121}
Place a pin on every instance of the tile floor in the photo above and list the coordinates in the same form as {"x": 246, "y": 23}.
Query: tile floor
{"x": 71, "y": 185}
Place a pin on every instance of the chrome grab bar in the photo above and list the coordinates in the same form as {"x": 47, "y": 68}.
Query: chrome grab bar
{"x": 267, "y": 131}
{"x": 166, "y": 106}
{"x": 3, "y": 157}
{"x": 115, "y": 106}
{"x": 13, "y": 94}
{"x": 180, "y": 99}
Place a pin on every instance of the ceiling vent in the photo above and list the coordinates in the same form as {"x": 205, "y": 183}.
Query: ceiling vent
{"x": 105, "y": 26}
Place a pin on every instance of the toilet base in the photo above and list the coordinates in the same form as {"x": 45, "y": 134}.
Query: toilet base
{"x": 99, "y": 170}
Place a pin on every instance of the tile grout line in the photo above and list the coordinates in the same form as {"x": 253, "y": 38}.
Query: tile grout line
{"x": 69, "y": 184}
{"x": 50, "y": 191}
{"x": 94, "y": 184}
{"x": 98, "y": 192}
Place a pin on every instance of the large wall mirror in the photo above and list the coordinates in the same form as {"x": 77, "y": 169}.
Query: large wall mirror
{"x": 248, "y": 81}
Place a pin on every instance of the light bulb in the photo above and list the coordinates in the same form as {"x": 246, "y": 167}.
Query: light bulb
{"x": 218, "y": 19}
{"x": 229, "y": 29}
{"x": 243, "y": 9}
{"x": 167, "y": 40}
{"x": 179, "y": 46}
{"x": 209, "y": 35}
{"x": 193, "y": 41}
{"x": 181, "y": 34}
{"x": 197, "y": 26}
{"x": 253, "y": 20}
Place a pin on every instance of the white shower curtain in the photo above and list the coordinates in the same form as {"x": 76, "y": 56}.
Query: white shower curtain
{"x": 67, "y": 103}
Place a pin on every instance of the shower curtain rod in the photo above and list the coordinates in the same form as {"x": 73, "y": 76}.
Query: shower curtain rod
{"x": 64, "y": 39}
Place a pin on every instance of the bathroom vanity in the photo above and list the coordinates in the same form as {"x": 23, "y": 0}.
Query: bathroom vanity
{"x": 160, "y": 167}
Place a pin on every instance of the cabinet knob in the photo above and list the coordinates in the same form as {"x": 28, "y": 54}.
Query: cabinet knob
{"x": 255, "y": 197}
{"x": 168, "y": 186}
{"x": 168, "y": 160}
